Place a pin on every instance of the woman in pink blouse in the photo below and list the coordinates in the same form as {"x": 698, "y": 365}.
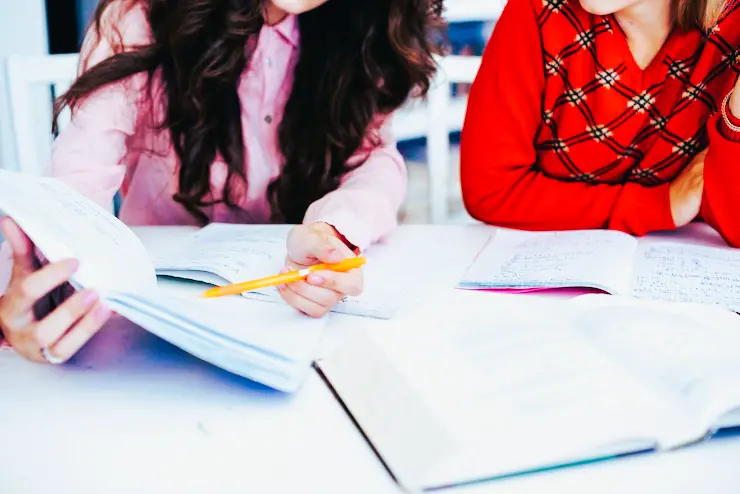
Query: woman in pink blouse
{"x": 249, "y": 111}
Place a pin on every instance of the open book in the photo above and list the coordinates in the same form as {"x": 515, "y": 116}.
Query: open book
{"x": 269, "y": 343}
{"x": 481, "y": 390}
{"x": 220, "y": 254}
{"x": 611, "y": 261}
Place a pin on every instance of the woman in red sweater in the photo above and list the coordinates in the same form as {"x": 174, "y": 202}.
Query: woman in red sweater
{"x": 594, "y": 115}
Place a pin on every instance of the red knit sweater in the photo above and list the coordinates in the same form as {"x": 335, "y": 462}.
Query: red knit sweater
{"x": 565, "y": 131}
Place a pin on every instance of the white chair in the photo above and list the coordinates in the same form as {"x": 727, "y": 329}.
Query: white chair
{"x": 435, "y": 120}
{"x": 445, "y": 114}
{"x": 39, "y": 78}
{"x": 31, "y": 78}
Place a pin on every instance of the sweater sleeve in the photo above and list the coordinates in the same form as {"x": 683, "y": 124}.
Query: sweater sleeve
{"x": 501, "y": 182}
{"x": 721, "y": 201}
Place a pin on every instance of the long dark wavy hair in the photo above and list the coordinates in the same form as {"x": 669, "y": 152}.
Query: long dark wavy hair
{"x": 357, "y": 59}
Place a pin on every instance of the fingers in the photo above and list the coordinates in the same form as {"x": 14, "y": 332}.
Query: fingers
{"x": 321, "y": 296}
{"x": 21, "y": 247}
{"x": 307, "y": 245}
{"x": 65, "y": 330}
{"x": 322, "y": 291}
{"x": 350, "y": 283}
{"x": 36, "y": 285}
{"x": 54, "y": 326}
{"x": 323, "y": 249}
{"x": 302, "y": 304}
{"x": 82, "y": 332}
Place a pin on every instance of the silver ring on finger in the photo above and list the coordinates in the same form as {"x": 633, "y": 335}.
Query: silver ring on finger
{"x": 51, "y": 359}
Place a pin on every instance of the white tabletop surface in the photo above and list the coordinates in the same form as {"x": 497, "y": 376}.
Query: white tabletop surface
{"x": 132, "y": 414}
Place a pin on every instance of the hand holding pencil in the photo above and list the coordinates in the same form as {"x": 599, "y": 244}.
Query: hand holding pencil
{"x": 285, "y": 278}
{"x": 320, "y": 271}
{"x": 315, "y": 296}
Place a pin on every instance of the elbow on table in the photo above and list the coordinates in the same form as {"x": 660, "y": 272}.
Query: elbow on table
{"x": 486, "y": 189}
{"x": 486, "y": 208}
{"x": 731, "y": 235}
{"x": 499, "y": 208}
{"x": 722, "y": 213}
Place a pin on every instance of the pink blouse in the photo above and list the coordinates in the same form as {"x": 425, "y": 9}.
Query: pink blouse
{"x": 112, "y": 143}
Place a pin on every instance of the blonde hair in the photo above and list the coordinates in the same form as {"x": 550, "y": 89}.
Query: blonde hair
{"x": 712, "y": 13}
{"x": 704, "y": 13}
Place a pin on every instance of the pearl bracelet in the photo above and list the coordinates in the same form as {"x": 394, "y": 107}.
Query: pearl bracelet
{"x": 725, "y": 114}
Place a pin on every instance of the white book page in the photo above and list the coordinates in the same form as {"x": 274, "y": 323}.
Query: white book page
{"x": 689, "y": 353}
{"x": 269, "y": 343}
{"x": 680, "y": 272}
{"x": 64, "y": 224}
{"x": 235, "y": 253}
{"x": 525, "y": 374}
{"x": 221, "y": 254}
{"x": 517, "y": 385}
{"x": 599, "y": 259}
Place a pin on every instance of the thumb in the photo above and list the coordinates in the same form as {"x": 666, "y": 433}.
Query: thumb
{"x": 24, "y": 261}
{"x": 312, "y": 246}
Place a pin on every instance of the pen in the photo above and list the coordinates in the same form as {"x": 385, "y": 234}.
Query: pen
{"x": 280, "y": 279}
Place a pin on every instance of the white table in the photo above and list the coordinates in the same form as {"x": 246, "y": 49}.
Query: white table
{"x": 132, "y": 414}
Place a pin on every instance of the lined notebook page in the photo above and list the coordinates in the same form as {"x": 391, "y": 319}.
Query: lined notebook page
{"x": 234, "y": 253}
{"x": 222, "y": 253}
{"x": 688, "y": 273}
{"x": 516, "y": 259}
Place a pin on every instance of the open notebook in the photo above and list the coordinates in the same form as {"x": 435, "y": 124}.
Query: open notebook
{"x": 221, "y": 254}
{"x": 611, "y": 261}
{"x": 269, "y": 343}
{"x": 474, "y": 392}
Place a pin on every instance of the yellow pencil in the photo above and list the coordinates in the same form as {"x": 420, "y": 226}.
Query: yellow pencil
{"x": 280, "y": 279}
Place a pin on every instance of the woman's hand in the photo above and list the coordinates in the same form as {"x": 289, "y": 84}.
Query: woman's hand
{"x": 687, "y": 190}
{"x": 27, "y": 317}
{"x": 322, "y": 290}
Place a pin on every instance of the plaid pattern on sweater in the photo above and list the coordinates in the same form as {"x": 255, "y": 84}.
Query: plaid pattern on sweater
{"x": 652, "y": 121}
